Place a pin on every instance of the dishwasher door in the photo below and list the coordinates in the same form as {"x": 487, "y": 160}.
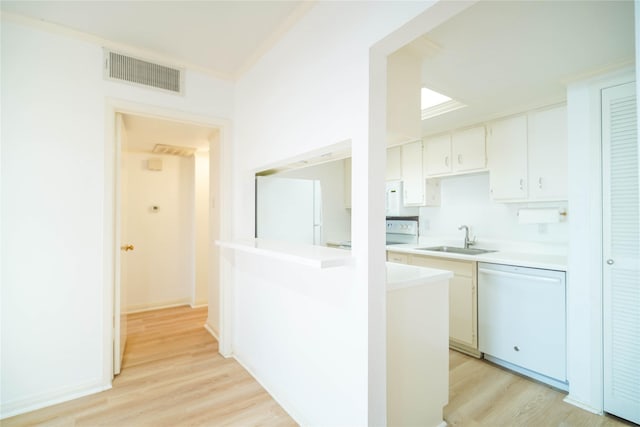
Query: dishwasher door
{"x": 522, "y": 317}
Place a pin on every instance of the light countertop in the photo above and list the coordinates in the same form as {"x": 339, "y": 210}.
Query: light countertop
{"x": 313, "y": 256}
{"x": 509, "y": 257}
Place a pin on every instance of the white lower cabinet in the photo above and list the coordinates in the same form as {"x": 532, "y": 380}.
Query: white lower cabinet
{"x": 463, "y": 324}
{"x": 521, "y": 321}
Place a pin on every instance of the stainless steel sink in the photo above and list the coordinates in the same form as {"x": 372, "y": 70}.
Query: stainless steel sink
{"x": 455, "y": 250}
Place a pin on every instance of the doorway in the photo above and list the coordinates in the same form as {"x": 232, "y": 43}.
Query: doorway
{"x": 193, "y": 196}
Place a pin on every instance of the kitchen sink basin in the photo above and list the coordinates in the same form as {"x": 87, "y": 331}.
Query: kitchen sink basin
{"x": 455, "y": 250}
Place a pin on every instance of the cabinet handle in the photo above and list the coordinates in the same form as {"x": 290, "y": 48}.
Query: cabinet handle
{"x": 540, "y": 183}
{"x": 521, "y": 184}
{"x": 519, "y": 275}
{"x": 516, "y": 348}
{"x": 446, "y": 161}
{"x": 459, "y": 159}
{"x": 610, "y": 262}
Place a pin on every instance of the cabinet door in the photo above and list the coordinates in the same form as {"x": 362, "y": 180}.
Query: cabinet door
{"x": 412, "y": 177}
{"x": 469, "y": 151}
{"x": 437, "y": 155}
{"x": 547, "y": 148}
{"x": 507, "y": 153}
{"x": 394, "y": 164}
{"x": 462, "y": 297}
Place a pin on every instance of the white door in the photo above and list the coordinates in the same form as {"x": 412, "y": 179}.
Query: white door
{"x": 122, "y": 248}
{"x": 621, "y": 252}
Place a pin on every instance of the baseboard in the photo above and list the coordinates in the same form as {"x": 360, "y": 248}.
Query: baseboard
{"x": 204, "y": 304}
{"x": 577, "y": 403}
{"x": 43, "y": 400}
{"x": 297, "y": 417}
{"x": 212, "y": 331}
{"x": 140, "y": 308}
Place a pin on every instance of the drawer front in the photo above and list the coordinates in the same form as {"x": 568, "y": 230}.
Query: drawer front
{"x": 459, "y": 268}
{"x": 397, "y": 257}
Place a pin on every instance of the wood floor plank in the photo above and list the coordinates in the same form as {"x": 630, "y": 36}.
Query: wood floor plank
{"x": 173, "y": 376}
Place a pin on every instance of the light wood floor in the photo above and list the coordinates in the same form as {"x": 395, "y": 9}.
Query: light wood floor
{"x": 483, "y": 394}
{"x": 173, "y": 376}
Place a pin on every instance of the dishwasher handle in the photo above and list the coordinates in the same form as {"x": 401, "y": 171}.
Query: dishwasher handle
{"x": 519, "y": 275}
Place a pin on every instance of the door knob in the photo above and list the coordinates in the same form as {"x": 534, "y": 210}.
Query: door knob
{"x": 126, "y": 248}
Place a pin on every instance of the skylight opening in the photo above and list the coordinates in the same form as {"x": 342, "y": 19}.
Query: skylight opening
{"x": 434, "y": 104}
{"x": 431, "y": 98}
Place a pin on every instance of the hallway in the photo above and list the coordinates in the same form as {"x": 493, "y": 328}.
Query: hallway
{"x": 172, "y": 375}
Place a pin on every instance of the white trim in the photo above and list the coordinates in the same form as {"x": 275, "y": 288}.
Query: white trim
{"x": 212, "y": 332}
{"x": 42, "y": 400}
{"x": 112, "y": 107}
{"x": 141, "y": 308}
{"x": 579, "y": 404}
{"x": 285, "y": 405}
{"x": 204, "y": 304}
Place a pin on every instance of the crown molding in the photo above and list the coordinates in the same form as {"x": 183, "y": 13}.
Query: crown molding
{"x": 109, "y": 44}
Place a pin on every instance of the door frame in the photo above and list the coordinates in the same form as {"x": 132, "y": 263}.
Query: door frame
{"x": 111, "y": 245}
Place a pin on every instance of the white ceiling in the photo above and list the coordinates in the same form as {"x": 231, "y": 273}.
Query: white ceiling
{"x": 502, "y": 57}
{"x": 143, "y": 133}
{"x": 498, "y": 57}
{"x": 221, "y": 37}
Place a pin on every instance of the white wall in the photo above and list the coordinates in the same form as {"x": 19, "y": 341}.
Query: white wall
{"x": 56, "y": 217}
{"x": 312, "y": 90}
{"x": 336, "y": 219}
{"x": 465, "y": 199}
{"x": 161, "y": 268}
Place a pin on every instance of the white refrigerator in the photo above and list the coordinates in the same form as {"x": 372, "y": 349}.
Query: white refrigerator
{"x": 289, "y": 209}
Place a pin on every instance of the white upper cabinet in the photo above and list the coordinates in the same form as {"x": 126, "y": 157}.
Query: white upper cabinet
{"x": 507, "y": 158}
{"x": 547, "y": 153}
{"x": 412, "y": 175}
{"x": 468, "y": 147}
{"x": 437, "y": 155}
{"x": 527, "y": 156}
{"x": 394, "y": 164}
{"x": 455, "y": 153}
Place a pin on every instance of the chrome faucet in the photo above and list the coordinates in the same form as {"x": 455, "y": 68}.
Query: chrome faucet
{"x": 467, "y": 242}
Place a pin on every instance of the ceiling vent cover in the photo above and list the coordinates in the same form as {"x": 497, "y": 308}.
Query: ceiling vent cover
{"x": 133, "y": 70}
{"x": 174, "y": 150}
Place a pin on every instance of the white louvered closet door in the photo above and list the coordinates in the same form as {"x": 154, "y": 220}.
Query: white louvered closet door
{"x": 621, "y": 252}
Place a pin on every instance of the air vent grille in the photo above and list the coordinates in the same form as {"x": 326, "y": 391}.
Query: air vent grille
{"x": 138, "y": 71}
{"x": 174, "y": 150}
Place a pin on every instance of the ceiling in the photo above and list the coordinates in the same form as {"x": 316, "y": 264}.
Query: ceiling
{"x": 502, "y": 57}
{"x": 143, "y": 133}
{"x": 223, "y": 38}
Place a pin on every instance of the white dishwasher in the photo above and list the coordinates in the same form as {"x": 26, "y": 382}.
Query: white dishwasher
{"x": 522, "y": 320}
